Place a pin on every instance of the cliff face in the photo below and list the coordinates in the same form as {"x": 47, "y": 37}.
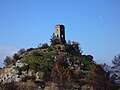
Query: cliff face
{"x": 61, "y": 67}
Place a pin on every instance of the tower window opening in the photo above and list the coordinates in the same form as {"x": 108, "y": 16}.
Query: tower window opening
{"x": 62, "y": 36}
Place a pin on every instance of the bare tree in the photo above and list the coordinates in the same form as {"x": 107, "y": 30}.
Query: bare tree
{"x": 116, "y": 68}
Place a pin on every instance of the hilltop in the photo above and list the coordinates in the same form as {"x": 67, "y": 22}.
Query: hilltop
{"x": 59, "y": 66}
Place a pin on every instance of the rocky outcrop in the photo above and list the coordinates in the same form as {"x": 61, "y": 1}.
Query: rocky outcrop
{"x": 11, "y": 73}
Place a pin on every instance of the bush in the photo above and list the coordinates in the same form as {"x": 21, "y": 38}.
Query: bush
{"x": 29, "y": 85}
{"x": 8, "y": 61}
{"x": 9, "y": 86}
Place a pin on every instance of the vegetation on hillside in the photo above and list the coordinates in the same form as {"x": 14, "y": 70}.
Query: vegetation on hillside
{"x": 63, "y": 66}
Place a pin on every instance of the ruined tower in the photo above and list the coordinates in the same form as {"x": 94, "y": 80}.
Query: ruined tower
{"x": 60, "y": 33}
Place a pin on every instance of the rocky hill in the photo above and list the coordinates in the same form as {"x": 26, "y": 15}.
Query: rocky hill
{"x": 55, "y": 67}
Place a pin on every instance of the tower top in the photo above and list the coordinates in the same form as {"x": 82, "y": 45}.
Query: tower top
{"x": 60, "y": 25}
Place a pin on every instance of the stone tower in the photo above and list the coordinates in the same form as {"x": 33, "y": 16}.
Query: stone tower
{"x": 60, "y": 33}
